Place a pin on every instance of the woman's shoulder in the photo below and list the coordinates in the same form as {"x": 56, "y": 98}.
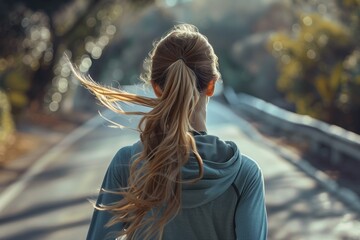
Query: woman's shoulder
{"x": 249, "y": 175}
{"x": 250, "y": 165}
{"x": 125, "y": 154}
{"x": 120, "y": 164}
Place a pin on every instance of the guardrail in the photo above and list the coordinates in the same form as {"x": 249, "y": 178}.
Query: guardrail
{"x": 328, "y": 140}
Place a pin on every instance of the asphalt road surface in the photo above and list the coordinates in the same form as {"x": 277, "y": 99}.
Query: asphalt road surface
{"x": 50, "y": 202}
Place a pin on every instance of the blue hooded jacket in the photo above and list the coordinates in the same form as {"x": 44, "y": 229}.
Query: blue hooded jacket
{"x": 227, "y": 203}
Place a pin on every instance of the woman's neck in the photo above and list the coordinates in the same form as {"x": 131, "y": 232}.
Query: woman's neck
{"x": 198, "y": 118}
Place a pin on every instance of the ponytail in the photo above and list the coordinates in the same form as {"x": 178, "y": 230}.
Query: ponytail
{"x": 155, "y": 177}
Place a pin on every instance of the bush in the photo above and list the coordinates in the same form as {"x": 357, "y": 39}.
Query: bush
{"x": 7, "y": 127}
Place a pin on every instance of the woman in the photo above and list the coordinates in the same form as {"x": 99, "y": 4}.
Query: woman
{"x": 178, "y": 182}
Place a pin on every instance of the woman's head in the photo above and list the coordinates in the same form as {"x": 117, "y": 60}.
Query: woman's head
{"x": 185, "y": 43}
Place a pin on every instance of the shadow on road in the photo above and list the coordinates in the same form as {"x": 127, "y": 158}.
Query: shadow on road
{"x": 41, "y": 229}
{"x": 45, "y": 208}
{"x": 41, "y": 233}
{"x": 302, "y": 211}
{"x": 8, "y": 174}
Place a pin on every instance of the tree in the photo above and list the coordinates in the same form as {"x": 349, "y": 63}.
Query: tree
{"x": 319, "y": 65}
{"x": 30, "y": 47}
{"x": 6, "y": 125}
{"x": 34, "y": 37}
{"x": 37, "y": 34}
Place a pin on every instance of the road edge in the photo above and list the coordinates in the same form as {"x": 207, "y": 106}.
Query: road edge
{"x": 347, "y": 196}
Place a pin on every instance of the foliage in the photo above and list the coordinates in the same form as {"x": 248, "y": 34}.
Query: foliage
{"x": 6, "y": 123}
{"x": 319, "y": 68}
{"x": 37, "y": 35}
{"x": 27, "y": 50}
{"x": 34, "y": 37}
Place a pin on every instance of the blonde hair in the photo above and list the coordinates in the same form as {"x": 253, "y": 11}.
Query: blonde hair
{"x": 182, "y": 64}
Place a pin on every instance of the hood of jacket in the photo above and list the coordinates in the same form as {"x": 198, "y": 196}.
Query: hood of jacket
{"x": 221, "y": 161}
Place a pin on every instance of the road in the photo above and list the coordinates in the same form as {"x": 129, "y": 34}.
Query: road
{"x": 51, "y": 201}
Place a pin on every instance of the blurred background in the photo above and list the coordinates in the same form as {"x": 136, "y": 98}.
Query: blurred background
{"x": 300, "y": 55}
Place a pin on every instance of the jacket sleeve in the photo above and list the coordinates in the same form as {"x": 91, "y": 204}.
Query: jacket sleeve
{"x": 115, "y": 178}
{"x": 250, "y": 215}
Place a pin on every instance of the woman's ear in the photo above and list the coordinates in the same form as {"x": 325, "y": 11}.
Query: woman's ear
{"x": 210, "y": 88}
{"x": 157, "y": 89}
